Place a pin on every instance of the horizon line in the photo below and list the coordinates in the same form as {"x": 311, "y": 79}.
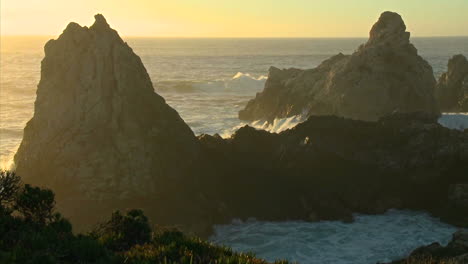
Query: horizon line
{"x": 240, "y": 37}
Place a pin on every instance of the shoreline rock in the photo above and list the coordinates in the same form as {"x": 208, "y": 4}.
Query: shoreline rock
{"x": 102, "y": 139}
{"x": 456, "y": 252}
{"x": 330, "y": 167}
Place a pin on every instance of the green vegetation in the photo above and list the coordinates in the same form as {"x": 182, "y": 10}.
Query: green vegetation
{"x": 32, "y": 232}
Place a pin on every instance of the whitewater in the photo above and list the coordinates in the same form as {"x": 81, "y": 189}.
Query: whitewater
{"x": 368, "y": 240}
{"x": 208, "y": 81}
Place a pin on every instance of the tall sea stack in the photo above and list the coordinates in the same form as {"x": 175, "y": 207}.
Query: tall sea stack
{"x": 99, "y": 131}
{"x": 385, "y": 75}
{"x": 452, "y": 87}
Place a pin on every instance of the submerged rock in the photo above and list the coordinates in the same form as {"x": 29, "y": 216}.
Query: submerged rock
{"x": 383, "y": 76}
{"x": 452, "y": 87}
{"x": 99, "y": 131}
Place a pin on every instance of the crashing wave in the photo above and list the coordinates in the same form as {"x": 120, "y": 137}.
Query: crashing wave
{"x": 279, "y": 125}
{"x": 454, "y": 120}
{"x": 245, "y": 82}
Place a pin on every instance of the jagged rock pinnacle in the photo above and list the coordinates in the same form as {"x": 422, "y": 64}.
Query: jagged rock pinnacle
{"x": 390, "y": 28}
{"x": 100, "y": 22}
{"x": 98, "y": 126}
{"x": 452, "y": 87}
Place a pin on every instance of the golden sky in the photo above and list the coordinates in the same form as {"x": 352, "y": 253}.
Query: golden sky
{"x": 229, "y": 18}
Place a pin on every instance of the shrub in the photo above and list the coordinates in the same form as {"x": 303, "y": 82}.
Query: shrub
{"x": 9, "y": 187}
{"x": 122, "y": 232}
{"x": 35, "y": 234}
{"x": 36, "y": 204}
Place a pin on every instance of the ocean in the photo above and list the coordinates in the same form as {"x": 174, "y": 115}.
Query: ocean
{"x": 208, "y": 81}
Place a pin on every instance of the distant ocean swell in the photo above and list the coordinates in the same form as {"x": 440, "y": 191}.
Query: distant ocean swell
{"x": 241, "y": 82}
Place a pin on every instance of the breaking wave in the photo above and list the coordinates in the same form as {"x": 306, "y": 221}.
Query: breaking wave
{"x": 279, "y": 125}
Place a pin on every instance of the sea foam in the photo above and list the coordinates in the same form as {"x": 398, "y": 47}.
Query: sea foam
{"x": 454, "y": 120}
{"x": 368, "y": 240}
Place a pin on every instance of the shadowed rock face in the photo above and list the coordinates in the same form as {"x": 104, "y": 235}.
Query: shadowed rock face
{"x": 452, "y": 87}
{"x": 99, "y": 130}
{"x": 329, "y": 167}
{"x": 383, "y": 76}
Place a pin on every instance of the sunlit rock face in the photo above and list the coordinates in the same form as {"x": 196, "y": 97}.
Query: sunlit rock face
{"x": 452, "y": 87}
{"x": 383, "y": 76}
{"x": 99, "y": 130}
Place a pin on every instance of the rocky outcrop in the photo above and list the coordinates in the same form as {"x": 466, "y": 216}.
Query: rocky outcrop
{"x": 456, "y": 252}
{"x": 452, "y": 87}
{"x": 330, "y": 167}
{"x": 383, "y": 76}
{"x": 102, "y": 139}
{"x": 99, "y": 131}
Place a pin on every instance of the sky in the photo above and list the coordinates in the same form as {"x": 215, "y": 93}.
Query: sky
{"x": 234, "y": 18}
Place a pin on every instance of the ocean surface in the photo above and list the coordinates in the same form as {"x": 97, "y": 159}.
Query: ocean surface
{"x": 208, "y": 81}
{"x": 368, "y": 240}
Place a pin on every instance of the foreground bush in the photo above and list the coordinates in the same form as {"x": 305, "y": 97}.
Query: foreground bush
{"x": 32, "y": 232}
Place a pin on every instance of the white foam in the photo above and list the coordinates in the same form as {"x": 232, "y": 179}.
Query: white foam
{"x": 243, "y": 82}
{"x": 454, "y": 120}
{"x": 368, "y": 240}
{"x": 279, "y": 125}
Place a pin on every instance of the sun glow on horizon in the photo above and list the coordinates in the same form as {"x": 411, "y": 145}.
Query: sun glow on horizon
{"x": 241, "y": 18}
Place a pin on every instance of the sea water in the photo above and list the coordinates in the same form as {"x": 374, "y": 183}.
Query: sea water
{"x": 208, "y": 81}
{"x": 368, "y": 240}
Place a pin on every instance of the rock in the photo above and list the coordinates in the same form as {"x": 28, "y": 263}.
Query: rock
{"x": 452, "y": 86}
{"x": 455, "y": 252}
{"x": 458, "y": 195}
{"x": 102, "y": 139}
{"x": 427, "y": 251}
{"x": 329, "y": 167}
{"x": 383, "y": 76}
{"x": 459, "y": 241}
{"x": 99, "y": 131}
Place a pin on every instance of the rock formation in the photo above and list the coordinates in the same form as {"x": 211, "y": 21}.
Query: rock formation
{"x": 99, "y": 131}
{"x": 330, "y": 167}
{"x": 456, "y": 252}
{"x": 452, "y": 87}
{"x": 383, "y": 76}
{"x": 102, "y": 139}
